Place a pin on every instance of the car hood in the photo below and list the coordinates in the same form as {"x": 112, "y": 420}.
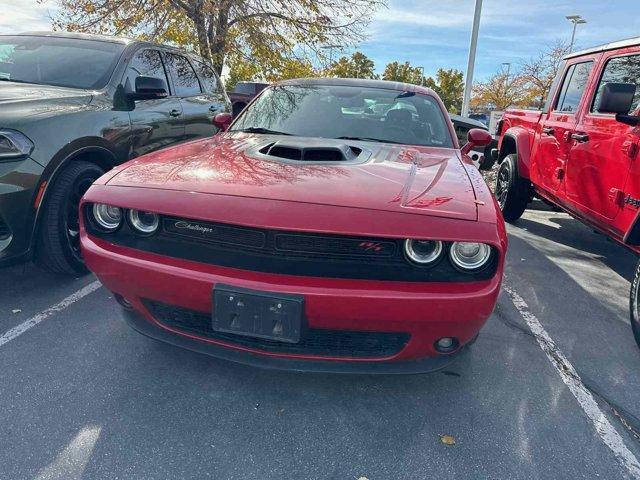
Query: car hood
{"x": 424, "y": 180}
{"x": 26, "y": 99}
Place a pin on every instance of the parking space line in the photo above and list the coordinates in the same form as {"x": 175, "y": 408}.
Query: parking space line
{"x": 570, "y": 377}
{"x": 38, "y": 318}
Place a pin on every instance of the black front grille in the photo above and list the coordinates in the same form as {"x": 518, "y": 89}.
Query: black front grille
{"x": 316, "y": 342}
{"x": 4, "y": 230}
{"x": 289, "y": 253}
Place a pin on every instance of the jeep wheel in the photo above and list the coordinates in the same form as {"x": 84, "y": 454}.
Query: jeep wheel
{"x": 58, "y": 247}
{"x": 634, "y": 305}
{"x": 512, "y": 191}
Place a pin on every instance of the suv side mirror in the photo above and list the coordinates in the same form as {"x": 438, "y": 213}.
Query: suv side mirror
{"x": 618, "y": 98}
{"x": 476, "y": 137}
{"x": 223, "y": 120}
{"x": 149, "y": 88}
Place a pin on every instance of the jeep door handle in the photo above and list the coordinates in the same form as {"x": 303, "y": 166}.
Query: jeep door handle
{"x": 175, "y": 112}
{"x": 580, "y": 137}
{"x": 548, "y": 131}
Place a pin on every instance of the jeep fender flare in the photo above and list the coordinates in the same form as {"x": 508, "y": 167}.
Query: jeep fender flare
{"x": 517, "y": 140}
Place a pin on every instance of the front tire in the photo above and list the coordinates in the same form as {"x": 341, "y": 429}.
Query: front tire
{"x": 511, "y": 190}
{"x": 58, "y": 243}
{"x": 634, "y": 305}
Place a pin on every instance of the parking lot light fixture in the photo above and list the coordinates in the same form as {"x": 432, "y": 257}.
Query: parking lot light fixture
{"x": 466, "y": 99}
{"x": 576, "y": 20}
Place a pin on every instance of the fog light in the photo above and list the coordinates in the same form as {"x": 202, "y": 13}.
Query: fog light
{"x": 447, "y": 344}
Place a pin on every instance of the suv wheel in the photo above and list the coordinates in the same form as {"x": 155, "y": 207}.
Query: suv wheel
{"x": 58, "y": 247}
{"x": 512, "y": 191}
{"x": 634, "y": 305}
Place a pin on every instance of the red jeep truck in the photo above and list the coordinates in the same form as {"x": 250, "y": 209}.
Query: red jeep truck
{"x": 580, "y": 153}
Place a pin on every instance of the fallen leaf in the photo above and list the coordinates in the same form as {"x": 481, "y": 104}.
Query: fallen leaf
{"x": 447, "y": 439}
{"x": 363, "y": 478}
{"x": 16, "y": 310}
{"x": 280, "y": 412}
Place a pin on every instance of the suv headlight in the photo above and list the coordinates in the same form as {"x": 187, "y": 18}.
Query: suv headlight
{"x": 469, "y": 256}
{"x": 14, "y": 144}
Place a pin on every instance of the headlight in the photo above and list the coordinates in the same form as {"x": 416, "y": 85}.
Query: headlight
{"x": 107, "y": 217}
{"x": 14, "y": 144}
{"x": 144, "y": 222}
{"x": 469, "y": 256}
{"x": 423, "y": 252}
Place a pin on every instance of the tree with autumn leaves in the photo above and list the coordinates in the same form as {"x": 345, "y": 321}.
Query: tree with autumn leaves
{"x": 278, "y": 39}
{"x": 267, "y": 32}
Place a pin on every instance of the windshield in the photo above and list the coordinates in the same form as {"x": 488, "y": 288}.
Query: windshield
{"x": 63, "y": 62}
{"x": 332, "y": 111}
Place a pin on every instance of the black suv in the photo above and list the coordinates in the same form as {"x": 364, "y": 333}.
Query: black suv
{"x": 72, "y": 106}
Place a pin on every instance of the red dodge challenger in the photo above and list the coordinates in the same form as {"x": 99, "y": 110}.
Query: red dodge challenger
{"x": 336, "y": 225}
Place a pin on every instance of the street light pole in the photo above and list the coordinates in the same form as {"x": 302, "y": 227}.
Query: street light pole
{"x": 576, "y": 20}
{"x": 472, "y": 58}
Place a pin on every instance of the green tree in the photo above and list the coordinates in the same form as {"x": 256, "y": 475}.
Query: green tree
{"x": 241, "y": 71}
{"x": 261, "y": 31}
{"x": 449, "y": 86}
{"x": 357, "y": 66}
{"x": 403, "y": 72}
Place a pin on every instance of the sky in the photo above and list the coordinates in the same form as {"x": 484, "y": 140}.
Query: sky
{"x": 435, "y": 33}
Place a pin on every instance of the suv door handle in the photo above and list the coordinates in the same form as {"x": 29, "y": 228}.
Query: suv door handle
{"x": 548, "y": 131}
{"x": 175, "y": 112}
{"x": 580, "y": 137}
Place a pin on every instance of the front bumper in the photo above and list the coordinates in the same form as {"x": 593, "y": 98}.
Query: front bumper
{"x": 18, "y": 184}
{"x": 425, "y": 311}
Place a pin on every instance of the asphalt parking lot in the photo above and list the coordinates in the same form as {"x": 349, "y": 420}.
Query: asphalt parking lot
{"x": 84, "y": 396}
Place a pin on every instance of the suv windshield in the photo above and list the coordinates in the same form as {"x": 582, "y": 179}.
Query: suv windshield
{"x": 336, "y": 111}
{"x": 64, "y": 62}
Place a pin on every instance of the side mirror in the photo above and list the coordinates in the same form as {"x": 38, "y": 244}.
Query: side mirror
{"x": 476, "y": 137}
{"x": 616, "y": 98}
{"x": 223, "y": 120}
{"x": 149, "y": 88}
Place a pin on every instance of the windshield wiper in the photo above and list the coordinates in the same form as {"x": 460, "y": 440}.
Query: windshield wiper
{"x": 266, "y": 131}
{"x": 368, "y": 139}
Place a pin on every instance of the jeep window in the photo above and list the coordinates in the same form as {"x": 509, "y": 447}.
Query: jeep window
{"x": 573, "y": 87}
{"x": 146, "y": 63}
{"x": 620, "y": 70}
{"x": 208, "y": 77}
{"x": 553, "y": 88}
{"x": 184, "y": 78}
{"x": 349, "y": 112}
{"x": 54, "y": 61}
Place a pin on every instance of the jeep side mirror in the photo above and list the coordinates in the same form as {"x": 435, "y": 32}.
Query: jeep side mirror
{"x": 149, "y": 88}
{"x": 476, "y": 137}
{"x": 223, "y": 120}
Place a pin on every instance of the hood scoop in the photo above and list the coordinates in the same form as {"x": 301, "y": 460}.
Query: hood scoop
{"x": 311, "y": 151}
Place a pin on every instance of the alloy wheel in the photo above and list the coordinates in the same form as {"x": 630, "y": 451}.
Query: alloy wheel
{"x": 72, "y": 214}
{"x": 502, "y": 186}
